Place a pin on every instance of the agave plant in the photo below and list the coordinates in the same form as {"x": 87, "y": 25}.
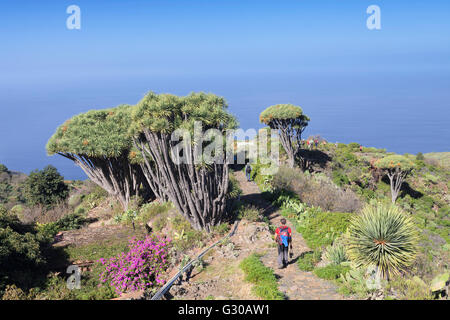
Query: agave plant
{"x": 383, "y": 236}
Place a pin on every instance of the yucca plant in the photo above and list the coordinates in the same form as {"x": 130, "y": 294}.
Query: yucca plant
{"x": 382, "y": 236}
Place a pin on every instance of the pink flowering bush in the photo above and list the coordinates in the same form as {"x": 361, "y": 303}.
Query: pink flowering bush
{"x": 140, "y": 268}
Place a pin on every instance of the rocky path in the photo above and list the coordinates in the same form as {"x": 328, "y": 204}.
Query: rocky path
{"x": 222, "y": 278}
{"x": 294, "y": 283}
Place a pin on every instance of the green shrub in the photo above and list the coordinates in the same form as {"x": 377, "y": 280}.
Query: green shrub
{"x": 323, "y": 228}
{"x": 55, "y": 288}
{"x": 340, "y": 178}
{"x": 127, "y": 217}
{"x": 410, "y": 289}
{"x": 17, "y": 210}
{"x": 48, "y": 230}
{"x": 344, "y": 158}
{"x": 71, "y": 221}
{"x": 75, "y": 200}
{"x": 266, "y": 286}
{"x": 222, "y": 228}
{"x": 336, "y": 253}
{"x": 94, "y": 198}
{"x": 234, "y": 190}
{"x": 146, "y": 213}
{"x": 3, "y": 168}
{"x": 420, "y": 164}
{"x": 308, "y": 260}
{"x": 12, "y": 292}
{"x": 420, "y": 156}
{"x": 3, "y": 210}
{"x": 185, "y": 237}
{"x": 263, "y": 181}
{"x": 150, "y": 210}
{"x": 45, "y": 187}
{"x": 6, "y": 191}
{"x": 160, "y": 222}
{"x": 68, "y": 222}
{"x": 331, "y": 271}
{"x": 22, "y": 257}
{"x": 355, "y": 281}
{"x": 250, "y": 213}
{"x": 80, "y": 210}
{"x": 383, "y": 236}
{"x": 354, "y": 145}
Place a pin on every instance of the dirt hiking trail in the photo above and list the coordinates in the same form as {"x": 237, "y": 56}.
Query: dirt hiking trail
{"x": 222, "y": 278}
{"x": 294, "y": 283}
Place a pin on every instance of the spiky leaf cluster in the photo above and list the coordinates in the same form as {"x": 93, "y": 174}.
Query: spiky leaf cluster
{"x": 96, "y": 133}
{"x": 165, "y": 113}
{"x": 394, "y": 161}
{"x": 284, "y": 112}
{"x": 382, "y": 236}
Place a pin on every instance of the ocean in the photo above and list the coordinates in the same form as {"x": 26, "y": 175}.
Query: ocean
{"x": 405, "y": 113}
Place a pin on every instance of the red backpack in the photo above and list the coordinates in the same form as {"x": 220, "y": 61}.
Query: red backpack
{"x": 283, "y": 237}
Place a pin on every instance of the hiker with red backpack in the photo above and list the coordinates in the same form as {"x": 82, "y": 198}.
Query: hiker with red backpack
{"x": 283, "y": 237}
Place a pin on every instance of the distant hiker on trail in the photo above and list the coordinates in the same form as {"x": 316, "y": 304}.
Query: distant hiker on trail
{"x": 360, "y": 148}
{"x": 283, "y": 237}
{"x": 311, "y": 144}
{"x": 316, "y": 142}
{"x": 248, "y": 171}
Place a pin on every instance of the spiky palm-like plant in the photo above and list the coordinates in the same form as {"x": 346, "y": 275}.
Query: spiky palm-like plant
{"x": 382, "y": 236}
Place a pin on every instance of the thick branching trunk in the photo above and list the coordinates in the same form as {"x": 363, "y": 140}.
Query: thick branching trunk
{"x": 290, "y": 138}
{"x": 197, "y": 191}
{"x": 396, "y": 177}
{"x": 116, "y": 175}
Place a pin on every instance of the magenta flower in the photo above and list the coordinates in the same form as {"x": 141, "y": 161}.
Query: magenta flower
{"x": 140, "y": 267}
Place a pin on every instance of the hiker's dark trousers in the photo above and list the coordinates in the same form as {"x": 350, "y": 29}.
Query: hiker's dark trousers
{"x": 282, "y": 255}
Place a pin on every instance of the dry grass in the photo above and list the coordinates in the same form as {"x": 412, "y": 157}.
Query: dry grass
{"x": 438, "y": 158}
{"x": 316, "y": 190}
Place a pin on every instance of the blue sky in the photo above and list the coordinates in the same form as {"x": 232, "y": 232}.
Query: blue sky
{"x": 386, "y": 88}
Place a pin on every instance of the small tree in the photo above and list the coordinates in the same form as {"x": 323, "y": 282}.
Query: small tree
{"x": 3, "y": 168}
{"x": 45, "y": 187}
{"x": 290, "y": 121}
{"x": 397, "y": 169}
